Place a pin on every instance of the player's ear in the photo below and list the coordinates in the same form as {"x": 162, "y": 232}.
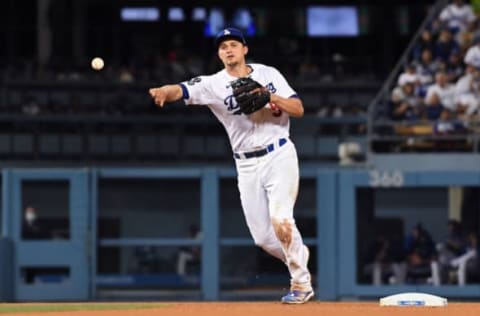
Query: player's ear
{"x": 245, "y": 49}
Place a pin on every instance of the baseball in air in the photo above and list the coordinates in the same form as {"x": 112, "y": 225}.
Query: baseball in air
{"x": 97, "y": 63}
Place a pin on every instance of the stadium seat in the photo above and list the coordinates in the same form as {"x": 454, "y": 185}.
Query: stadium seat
{"x": 49, "y": 144}
{"x": 340, "y": 99}
{"x": 121, "y": 144}
{"x": 146, "y": 144}
{"x": 23, "y": 143}
{"x": 168, "y": 145}
{"x": 5, "y": 144}
{"x": 14, "y": 100}
{"x": 72, "y": 144}
{"x": 97, "y": 144}
{"x": 40, "y": 97}
{"x": 60, "y": 100}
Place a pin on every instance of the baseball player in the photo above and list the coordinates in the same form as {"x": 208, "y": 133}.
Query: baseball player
{"x": 254, "y": 103}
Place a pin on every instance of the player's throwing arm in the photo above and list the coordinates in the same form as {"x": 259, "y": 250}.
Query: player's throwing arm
{"x": 167, "y": 93}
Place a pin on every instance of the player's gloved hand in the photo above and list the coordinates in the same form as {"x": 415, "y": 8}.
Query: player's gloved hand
{"x": 249, "y": 94}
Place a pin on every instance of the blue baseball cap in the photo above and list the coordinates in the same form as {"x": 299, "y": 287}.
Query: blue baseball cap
{"x": 230, "y": 33}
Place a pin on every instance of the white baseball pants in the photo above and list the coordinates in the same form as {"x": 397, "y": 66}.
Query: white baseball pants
{"x": 268, "y": 188}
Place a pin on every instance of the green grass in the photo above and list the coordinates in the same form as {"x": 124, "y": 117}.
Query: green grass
{"x": 66, "y": 307}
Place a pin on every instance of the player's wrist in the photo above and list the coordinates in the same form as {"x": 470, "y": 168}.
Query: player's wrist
{"x": 273, "y": 98}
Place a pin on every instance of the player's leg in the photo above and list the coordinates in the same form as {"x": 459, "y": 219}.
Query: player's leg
{"x": 183, "y": 258}
{"x": 282, "y": 180}
{"x": 255, "y": 208}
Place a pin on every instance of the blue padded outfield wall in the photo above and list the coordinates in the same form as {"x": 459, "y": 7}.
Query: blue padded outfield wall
{"x": 334, "y": 192}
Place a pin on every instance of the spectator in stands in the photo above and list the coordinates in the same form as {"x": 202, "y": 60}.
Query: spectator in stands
{"x": 447, "y": 124}
{"x": 31, "y": 106}
{"x": 472, "y": 56}
{"x": 458, "y": 16}
{"x": 440, "y": 96}
{"x": 421, "y": 256}
{"x": 425, "y": 41}
{"x": 467, "y": 90}
{"x": 445, "y": 45}
{"x": 465, "y": 41}
{"x": 405, "y": 104}
{"x": 464, "y": 84}
{"x": 454, "y": 67}
{"x": 308, "y": 71}
{"x": 194, "y": 65}
{"x": 177, "y": 66}
{"x": 330, "y": 110}
{"x": 125, "y": 75}
{"x": 410, "y": 75}
{"x": 426, "y": 70}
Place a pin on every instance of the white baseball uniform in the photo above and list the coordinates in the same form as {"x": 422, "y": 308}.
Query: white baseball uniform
{"x": 268, "y": 184}
{"x": 458, "y": 17}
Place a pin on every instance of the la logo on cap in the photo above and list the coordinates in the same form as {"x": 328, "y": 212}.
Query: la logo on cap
{"x": 226, "y": 32}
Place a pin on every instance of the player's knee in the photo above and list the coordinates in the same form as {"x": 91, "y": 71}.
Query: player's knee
{"x": 262, "y": 241}
{"x": 283, "y": 228}
{"x": 265, "y": 239}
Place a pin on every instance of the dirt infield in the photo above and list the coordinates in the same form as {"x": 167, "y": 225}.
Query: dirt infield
{"x": 273, "y": 309}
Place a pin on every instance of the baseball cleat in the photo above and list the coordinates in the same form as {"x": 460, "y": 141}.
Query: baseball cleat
{"x": 297, "y": 297}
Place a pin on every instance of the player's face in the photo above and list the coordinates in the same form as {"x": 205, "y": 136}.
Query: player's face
{"x": 232, "y": 52}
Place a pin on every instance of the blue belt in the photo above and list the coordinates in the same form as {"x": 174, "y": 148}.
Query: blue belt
{"x": 260, "y": 152}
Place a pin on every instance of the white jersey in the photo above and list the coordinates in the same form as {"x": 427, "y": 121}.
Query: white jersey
{"x": 446, "y": 95}
{"x": 472, "y": 57}
{"x": 457, "y": 17}
{"x": 246, "y": 132}
{"x": 463, "y": 85}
